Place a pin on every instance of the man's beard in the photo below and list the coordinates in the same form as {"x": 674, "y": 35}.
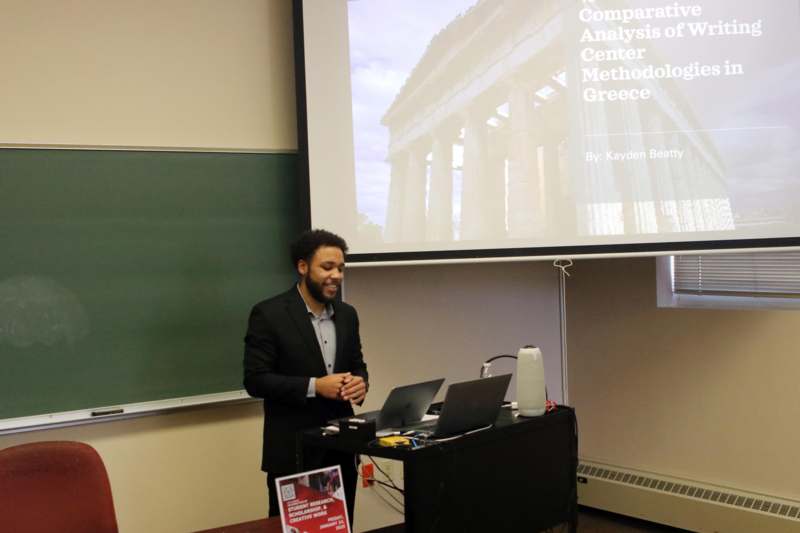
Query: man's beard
{"x": 316, "y": 292}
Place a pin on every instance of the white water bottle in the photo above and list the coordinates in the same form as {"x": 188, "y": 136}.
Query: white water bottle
{"x": 530, "y": 381}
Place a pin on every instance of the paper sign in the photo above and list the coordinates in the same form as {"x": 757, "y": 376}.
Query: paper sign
{"x": 313, "y": 502}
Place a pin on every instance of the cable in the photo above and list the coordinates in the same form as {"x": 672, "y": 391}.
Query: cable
{"x": 399, "y": 502}
{"x": 485, "y": 366}
{"x": 390, "y": 504}
{"x": 387, "y": 476}
{"x": 383, "y": 486}
{"x": 391, "y": 484}
{"x": 445, "y": 439}
{"x": 563, "y": 265}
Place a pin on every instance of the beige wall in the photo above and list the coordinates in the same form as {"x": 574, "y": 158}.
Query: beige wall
{"x": 150, "y": 73}
{"x": 707, "y": 395}
{"x": 424, "y": 322}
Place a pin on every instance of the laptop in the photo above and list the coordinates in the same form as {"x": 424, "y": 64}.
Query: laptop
{"x": 469, "y": 405}
{"x": 404, "y": 406}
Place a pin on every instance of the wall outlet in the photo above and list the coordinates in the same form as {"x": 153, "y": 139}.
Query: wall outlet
{"x": 367, "y": 474}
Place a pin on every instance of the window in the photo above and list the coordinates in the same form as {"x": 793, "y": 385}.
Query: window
{"x": 734, "y": 280}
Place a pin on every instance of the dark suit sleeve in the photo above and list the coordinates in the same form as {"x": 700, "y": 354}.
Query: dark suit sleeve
{"x": 262, "y": 378}
{"x": 358, "y": 367}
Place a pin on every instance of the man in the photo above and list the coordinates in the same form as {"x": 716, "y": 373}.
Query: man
{"x": 303, "y": 356}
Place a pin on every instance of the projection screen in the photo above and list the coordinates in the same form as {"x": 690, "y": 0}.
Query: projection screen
{"x": 464, "y": 128}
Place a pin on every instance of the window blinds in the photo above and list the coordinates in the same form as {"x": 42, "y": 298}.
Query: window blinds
{"x": 774, "y": 273}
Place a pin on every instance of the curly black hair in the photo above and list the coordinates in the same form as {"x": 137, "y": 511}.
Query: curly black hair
{"x": 309, "y": 241}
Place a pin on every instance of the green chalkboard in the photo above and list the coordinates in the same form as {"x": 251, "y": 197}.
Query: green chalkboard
{"x": 127, "y": 276}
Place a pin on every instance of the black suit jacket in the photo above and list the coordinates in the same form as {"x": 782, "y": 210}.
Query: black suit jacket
{"x": 281, "y": 353}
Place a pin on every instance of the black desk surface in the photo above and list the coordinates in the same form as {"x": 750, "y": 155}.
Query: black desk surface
{"x": 507, "y": 425}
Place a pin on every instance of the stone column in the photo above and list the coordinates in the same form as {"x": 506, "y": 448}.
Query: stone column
{"x": 523, "y": 172}
{"x": 621, "y": 169}
{"x": 440, "y": 196}
{"x": 691, "y": 171}
{"x": 667, "y": 204}
{"x": 494, "y": 187}
{"x": 396, "y": 200}
{"x": 413, "y": 214}
{"x": 558, "y": 211}
{"x": 595, "y": 192}
{"x": 550, "y": 176}
{"x": 474, "y": 176}
{"x": 646, "y": 219}
{"x": 683, "y": 175}
{"x": 567, "y": 198}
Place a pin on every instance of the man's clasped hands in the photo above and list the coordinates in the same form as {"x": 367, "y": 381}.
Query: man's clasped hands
{"x": 342, "y": 386}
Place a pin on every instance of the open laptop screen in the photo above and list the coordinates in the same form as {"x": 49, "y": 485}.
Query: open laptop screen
{"x": 471, "y": 405}
{"x": 407, "y": 404}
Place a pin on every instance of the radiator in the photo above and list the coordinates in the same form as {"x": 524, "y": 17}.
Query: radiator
{"x": 683, "y": 503}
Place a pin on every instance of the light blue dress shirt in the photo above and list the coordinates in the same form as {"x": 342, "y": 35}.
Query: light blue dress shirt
{"x": 325, "y": 330}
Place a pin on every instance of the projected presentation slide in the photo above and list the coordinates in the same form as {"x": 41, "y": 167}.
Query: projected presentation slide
{"x": 463, "y": 124}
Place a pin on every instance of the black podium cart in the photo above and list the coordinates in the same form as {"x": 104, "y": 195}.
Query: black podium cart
{"x": 519, "y": 475}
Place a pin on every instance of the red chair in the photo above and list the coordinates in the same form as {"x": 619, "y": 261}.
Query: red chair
{"x": 55, "y": 486}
